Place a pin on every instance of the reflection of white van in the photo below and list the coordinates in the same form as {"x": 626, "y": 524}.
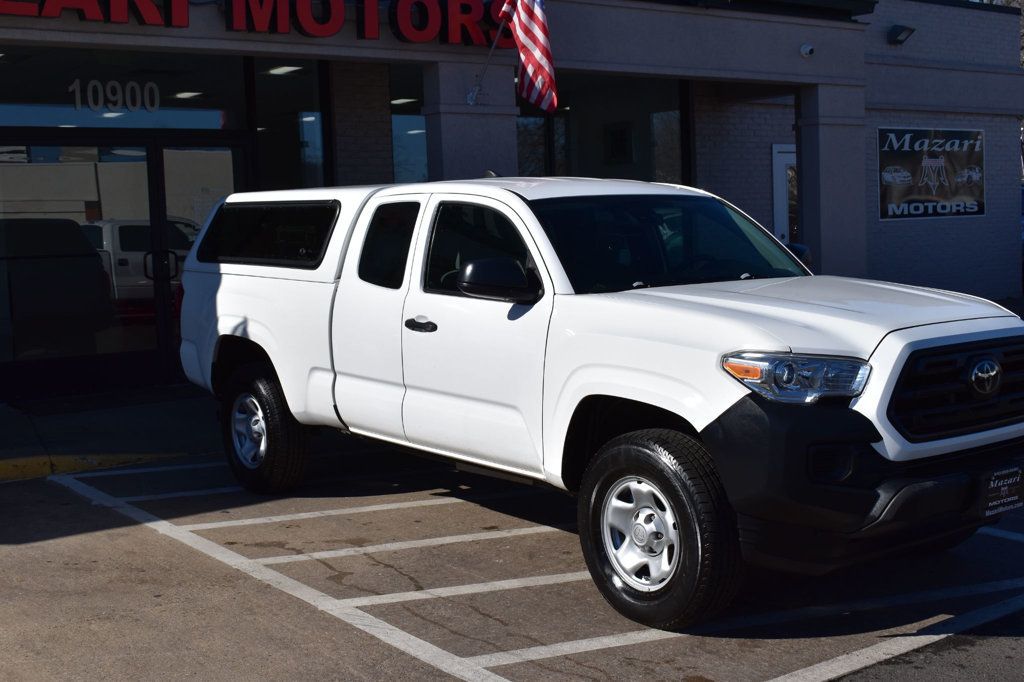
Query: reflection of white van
{"x": 123, "y": 245}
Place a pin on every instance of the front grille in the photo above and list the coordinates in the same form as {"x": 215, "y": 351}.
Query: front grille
{"x": 934, "y": 398}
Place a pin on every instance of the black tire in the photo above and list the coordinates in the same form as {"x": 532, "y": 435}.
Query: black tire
{"x": 283, "y": 466}
{"x": 680, "y": 469}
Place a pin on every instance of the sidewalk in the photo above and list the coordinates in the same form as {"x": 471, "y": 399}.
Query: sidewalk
{"x": 89, "y": 432}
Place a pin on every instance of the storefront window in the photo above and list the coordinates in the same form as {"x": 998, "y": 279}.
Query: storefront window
{"x": 289, "y": 124}
{"x": 94, "y": 89}
{"x": 74, "y": 235}
{"x": 542, "y": 144}
{"x": 635, "y": 135}
{"x": 531, "y": 134}
{"x": 408, "y": 125}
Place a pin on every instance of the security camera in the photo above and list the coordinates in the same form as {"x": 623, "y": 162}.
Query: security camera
{"x": 807, "y": 50}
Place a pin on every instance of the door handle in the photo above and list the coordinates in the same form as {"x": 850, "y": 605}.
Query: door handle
{"x": 417, "y": 326}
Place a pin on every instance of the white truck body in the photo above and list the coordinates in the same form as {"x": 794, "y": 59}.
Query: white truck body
{"x": 535, "y": 388}
{"x": 484, "y": 388}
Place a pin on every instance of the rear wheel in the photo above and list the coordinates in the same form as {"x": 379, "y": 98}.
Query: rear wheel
{"x": 657, "y": 531}
{"x": 265, "y": 446}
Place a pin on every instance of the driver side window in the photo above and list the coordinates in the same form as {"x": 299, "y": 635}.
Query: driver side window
{"x": 464, "y": 232}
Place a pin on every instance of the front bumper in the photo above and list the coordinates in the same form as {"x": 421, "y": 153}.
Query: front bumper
{"x": 812, "y": 493}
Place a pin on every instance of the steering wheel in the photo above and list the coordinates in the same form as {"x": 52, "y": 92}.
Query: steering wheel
{"x": 722, "y": 266}
{"x": 448, "y": 280}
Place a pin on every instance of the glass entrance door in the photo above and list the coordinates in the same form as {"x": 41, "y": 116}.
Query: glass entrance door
{"x": 784, "y": 193}
{"x": 92, "y": 240}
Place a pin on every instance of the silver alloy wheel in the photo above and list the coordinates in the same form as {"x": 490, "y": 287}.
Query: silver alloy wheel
{"x": 248, "y": 431}
{"x": 641, "y": 534}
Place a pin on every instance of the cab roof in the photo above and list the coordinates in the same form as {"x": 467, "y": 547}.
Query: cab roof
{"x": 549, "y": 188}
{"x": 527, "y": 188}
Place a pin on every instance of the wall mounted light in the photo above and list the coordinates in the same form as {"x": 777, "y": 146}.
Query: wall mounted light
{"x": 899, "y": 34}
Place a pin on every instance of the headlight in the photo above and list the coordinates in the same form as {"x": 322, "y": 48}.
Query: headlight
{"x": 789, "y": 378}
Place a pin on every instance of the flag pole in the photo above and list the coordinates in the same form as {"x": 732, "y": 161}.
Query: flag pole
{"x": 474, "y": 93}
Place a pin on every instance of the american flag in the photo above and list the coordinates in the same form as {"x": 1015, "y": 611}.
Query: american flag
{"x": 537, "y": 69}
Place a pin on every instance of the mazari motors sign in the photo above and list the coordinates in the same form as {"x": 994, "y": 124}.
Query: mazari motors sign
{"x": 931, "y": 173}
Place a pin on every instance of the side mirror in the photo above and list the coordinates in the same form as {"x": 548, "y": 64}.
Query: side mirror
{"x": 802, "y": 252}
{"x": 497, "y": 279}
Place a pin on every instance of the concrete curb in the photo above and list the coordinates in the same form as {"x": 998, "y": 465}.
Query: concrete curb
{"x": 38, "y": 466}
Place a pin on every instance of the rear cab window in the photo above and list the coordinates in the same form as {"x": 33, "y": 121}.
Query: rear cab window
{"x": 386, "y": 245}
{"x": 287, "y": 234}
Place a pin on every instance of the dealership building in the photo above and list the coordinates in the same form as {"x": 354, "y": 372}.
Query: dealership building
{"x": 884, "y": 135}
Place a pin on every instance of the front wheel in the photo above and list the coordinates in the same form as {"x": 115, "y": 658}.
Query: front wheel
{"x": 264, "y": 445}
{"x": 657, "y": 531}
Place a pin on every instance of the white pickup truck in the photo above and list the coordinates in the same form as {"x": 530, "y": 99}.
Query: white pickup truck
{"x": 649, "y": 348}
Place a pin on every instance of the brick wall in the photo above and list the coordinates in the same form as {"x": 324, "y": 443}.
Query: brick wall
{"x": 952, "y": 73}
{"x": 362, "y": 123}
{"x": 734, "y": 141}
{"x": 944, "y": 34}
{"x": 979, "y": 255}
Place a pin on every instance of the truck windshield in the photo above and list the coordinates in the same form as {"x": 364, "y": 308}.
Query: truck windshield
{"x": 616, "y": 243}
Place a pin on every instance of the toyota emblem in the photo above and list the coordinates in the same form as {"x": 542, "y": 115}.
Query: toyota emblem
{"x": 986, "y": 376}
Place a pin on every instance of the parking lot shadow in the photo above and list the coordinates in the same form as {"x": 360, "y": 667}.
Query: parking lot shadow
{"x": 342, "y": 467}
{"x": 347, "y": 471}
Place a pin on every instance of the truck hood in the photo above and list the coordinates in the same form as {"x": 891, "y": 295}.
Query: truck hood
{"x": 825, "y": 315}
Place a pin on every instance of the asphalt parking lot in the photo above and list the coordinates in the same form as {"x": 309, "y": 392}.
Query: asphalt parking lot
{"x": 385, "y": 564}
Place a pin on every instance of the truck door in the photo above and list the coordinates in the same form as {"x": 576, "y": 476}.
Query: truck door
{"x": 366, "y": 327}
{"x": 474, "y": 368}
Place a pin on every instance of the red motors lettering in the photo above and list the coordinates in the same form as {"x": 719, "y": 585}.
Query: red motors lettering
{"x": 173, "y": 13}
{"x": 455, "y": 22}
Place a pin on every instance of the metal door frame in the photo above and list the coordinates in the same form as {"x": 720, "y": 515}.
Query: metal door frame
{"x": 782, "y": 156}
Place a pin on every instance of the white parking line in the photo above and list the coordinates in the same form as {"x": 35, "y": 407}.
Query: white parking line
{"x": 149, "y": 470}
{"x": 459, "y": 590}
{"x": 414, "y": 646}
{"x": 182, "y": 493}
{"x": 388, "y": 506}
{"x": 298, "y": 516}
{"x": 748, "y": 622}
{"x": 579, "y": 646}
{"x": 403, "y": 641}
{"x": 473, "y": 668}
{"x": 1004, "y": 534}
{"x": 899, "y": 645}
{"x": 406, "y": 544}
